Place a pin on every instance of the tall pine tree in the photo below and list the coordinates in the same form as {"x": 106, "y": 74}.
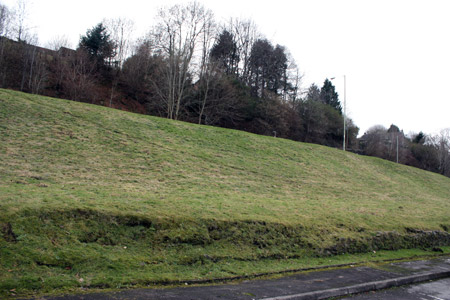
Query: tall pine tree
{"x": 97, "y": 42}
{"x": 225, "y": 52}
{"x": 329, "y": 96}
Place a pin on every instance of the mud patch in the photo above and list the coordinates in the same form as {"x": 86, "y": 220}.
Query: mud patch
{"x": 8, "y": 233}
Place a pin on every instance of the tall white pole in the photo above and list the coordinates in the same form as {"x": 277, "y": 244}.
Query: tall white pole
{"x": 397, "y": 147}
{"x": 345, "y": 109}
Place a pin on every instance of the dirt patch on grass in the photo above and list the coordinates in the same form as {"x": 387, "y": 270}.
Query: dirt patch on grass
{"x": 8, "y": 233}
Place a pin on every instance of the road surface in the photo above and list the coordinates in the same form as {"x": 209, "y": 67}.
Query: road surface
{"x": 435, "y": 290}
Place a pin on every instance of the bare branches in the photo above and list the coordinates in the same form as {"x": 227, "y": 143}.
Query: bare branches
{"x": 246, "y": 33}
{"x": 5, "y": 19}
{"x": 177, "y": 36}
{"x": 441, "y": 143}
{"x": 120, "y": 31}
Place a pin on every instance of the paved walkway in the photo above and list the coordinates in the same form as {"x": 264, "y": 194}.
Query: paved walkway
{"x": 308, "y": 285}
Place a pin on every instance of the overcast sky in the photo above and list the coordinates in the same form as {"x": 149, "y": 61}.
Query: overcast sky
{"x": 395, "y": 53}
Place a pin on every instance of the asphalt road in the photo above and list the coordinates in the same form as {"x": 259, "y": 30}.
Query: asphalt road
{"x": 436, "y": 290}
{"x": 318, "y": 284}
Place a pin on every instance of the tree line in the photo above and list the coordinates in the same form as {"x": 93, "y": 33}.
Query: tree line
{"x": 189, "y": 67}
{"x": 428, "y": 152}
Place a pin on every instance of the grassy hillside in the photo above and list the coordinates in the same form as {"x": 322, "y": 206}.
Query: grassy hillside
{"x": 100, "y": 198}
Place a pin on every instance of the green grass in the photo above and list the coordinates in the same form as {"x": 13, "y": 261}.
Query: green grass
{"x": 101, "y": 198}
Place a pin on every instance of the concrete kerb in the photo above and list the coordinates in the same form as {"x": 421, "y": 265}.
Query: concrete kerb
{"x": 364, "y": 287}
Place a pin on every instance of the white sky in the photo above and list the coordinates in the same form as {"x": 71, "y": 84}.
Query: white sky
{"x": 394, "y": 53}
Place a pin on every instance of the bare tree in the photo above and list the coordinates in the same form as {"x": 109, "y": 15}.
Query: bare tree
{"x": 245, "y": 33}
{"x": 441, "y": 143}
{"x": 396, "y": 144}
{"x": 62, "y": 50}
{"x": 5, "y": 18}
{"x": 205, "y": 81}
{"x": 26, "y": 47}
{"x": 29, "y": 53}
{"x": 292, "y": 93}
{"x": 176, "y": 37}
{"x": 373, "y": 142}
{"x": 79, "y": 77}
{"x": 21, "y": 28}
{"x": 207, "y": 67}
{"x": 58, "y": 42}
{"x": 220, "y": 104}
{"x": 120, "y": 31}
{"x": 39, "y": 73}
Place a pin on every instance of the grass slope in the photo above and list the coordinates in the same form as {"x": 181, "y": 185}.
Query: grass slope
{"x": 100, "y": 198}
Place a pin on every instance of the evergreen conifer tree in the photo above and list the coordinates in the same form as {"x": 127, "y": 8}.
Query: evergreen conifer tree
{"x": 329, "y": 96}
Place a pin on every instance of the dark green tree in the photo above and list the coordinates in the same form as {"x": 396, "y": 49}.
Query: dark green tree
{"x": 313, "y": 93}
{"x": 393, "y": 129}
{"x": 225, "y": 53}
{"x": 329, "y": 96}
{"x": 260, "y": 57}
{"x": 424, "y": 156}
{"x": 268, "y": 68}
{"x": 99, "y": 45}
{"x": 419, "y": 138}
{"x": 278, "y": 82}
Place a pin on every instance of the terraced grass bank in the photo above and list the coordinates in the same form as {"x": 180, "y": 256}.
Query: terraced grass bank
{"x": 97, "y": 198}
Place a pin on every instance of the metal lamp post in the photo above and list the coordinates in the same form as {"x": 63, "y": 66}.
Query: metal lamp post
{"x": 345, "y": 109}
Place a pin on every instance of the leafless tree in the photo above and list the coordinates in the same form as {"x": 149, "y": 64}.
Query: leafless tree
{"x": 441, "y": 143}
{"x": 176, "y": 36}
{"x": 207, "y": 67}
{"x": 27, "y": 41}
{"x": 390, "y": 144}
{"x": 29, "y": 53}
{"x": 223, "y": 106}
{"x": 205, "y": 81}
{"x": 245, "y": 33}
{"x": 374, "y": 141}
{"x": 79, "y": 77}
{"x": 294, "y": 77}
{"x": 58, "y": 42}
{"x": 120, "y": 31}
{"x": 20, "y": 17}
{"x": 38, "y": 72}
{"x": 396, "y": 144}
{"x": 4, "y": 20}
{"x": 62, "y": 49}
